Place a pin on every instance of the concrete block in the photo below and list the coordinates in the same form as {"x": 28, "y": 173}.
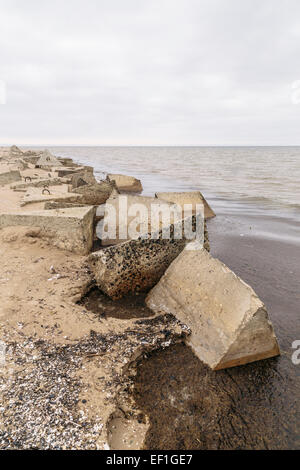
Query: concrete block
{"x": 126, "y": 183}
{"x": 125, "y": 209}
{"x": 191, "y": 197}
{"x": 69, "y": 229}
{"x": 229, "y": 323}
{"x": 136, "y": 265}
{"x": 9, "y": 177}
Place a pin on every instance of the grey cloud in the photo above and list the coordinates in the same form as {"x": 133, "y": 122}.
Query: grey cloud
{"x": 154, "y": 72}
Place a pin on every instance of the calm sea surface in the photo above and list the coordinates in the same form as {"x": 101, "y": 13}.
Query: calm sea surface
{"x": 269, "y": 176}
{"x": 250, "y": 181}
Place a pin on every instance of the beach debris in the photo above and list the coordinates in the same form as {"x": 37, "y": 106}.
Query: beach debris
{"x": 138, "y": 264}
{"x": 126, "y": 183}
{"x": 69, "y": 229}
{"x": 190, "y": 197}
{"x": 229, "y": 323}
{"x": 43, "y": 396}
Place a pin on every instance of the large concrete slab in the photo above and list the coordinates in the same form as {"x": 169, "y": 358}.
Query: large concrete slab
{"x": 7, "y": 177}
{"x": 142, "y": 209}
{"x": 39, "y": 183}
{"x": 229, "y": 323}
{"x": 136, "y": 265}
{"x": 34, "y": 197}
{"x": 126, "y": 183}
{"x": 190, "y": 197}
{"x": 68, "y": 229}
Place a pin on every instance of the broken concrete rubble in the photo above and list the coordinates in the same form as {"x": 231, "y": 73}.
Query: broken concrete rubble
{"x": 229, "y": 323}
{"x": 191, "y": 197}
{"x": 69, "y": 229}
{"x": 137, "y": 265}
{"x": 126, "y": 183}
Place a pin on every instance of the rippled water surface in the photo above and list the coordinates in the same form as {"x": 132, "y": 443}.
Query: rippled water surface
{"x": 266, "y": 176}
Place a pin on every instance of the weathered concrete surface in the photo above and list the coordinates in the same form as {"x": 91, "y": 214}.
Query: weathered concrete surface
{"x": 135, "y": 265}
{"x": 9, "y": 177}
{"x": 66, "y": 171}
{"x": 191, "y": 197}
{"x": 47, "y": 160}
{"x": 126, "y": 183}
{"x": 125, "y": 207}
{"x": 229, "y": 323}
{"x": 32, "y": 198}
{"x": 61, "y": 205}
{"x": 82, "y": 179}
{"x": 95, "y": 194}
{"x": 39, "y": 183}
{"x": 14, "y": 151}
{"x": 68, "y": 229}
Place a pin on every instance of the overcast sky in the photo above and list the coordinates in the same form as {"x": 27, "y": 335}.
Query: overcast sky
{"x": 150, "y": 72}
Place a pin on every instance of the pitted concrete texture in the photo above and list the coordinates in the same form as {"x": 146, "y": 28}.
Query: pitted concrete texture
{"x": 69, "y": 229}
{"x": 9, "y": 177}
{"x": 191, "y": 197}
{"x": 126, "y": 183}
{"x": 229, "y": 323}
{"x": 136, "y": 265}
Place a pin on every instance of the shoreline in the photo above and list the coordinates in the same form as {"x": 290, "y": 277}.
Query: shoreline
{"x": 44, "y": 317}
{"x": 255, "y": 406}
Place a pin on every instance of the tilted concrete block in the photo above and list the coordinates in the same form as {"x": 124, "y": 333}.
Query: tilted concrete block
{"x": 190, "y": 197}
{"x": 229, "y": 323}
{"x": 142, "y": 209}
{"x": 137, "y": 265}
{"x": 69, "y": 229}
{"x": 95, "y": 194}
{"x": 126, "y": 183}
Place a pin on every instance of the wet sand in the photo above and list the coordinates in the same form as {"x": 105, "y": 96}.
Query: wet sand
{"x": 248, "y": 407}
